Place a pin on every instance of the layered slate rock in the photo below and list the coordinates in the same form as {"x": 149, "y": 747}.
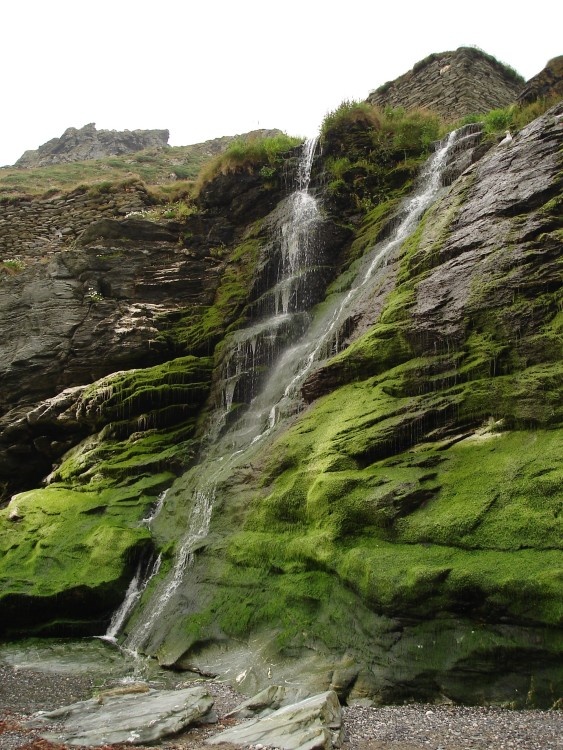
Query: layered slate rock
{"x": 80, "y": 144}
{"x": 98, "y": 308}
{"x": 136, "y": 719}
{"x": 312, "y": 723}
{"x": 454, "y": 84}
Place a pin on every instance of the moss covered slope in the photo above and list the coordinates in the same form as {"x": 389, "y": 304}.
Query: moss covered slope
{"x": 68, "y": 551}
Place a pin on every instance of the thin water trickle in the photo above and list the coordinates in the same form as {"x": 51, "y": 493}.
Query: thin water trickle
{"x": 198, "y": 526}
{"x": 134, "y": 592}
{"x": 288, "y": 352}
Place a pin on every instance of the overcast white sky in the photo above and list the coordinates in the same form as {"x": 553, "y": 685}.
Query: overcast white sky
{"x": 220, "y": 67}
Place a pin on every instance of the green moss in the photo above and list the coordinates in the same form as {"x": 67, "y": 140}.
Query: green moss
{"x": 67, "y": 539}
{"x": 182, "y": 383}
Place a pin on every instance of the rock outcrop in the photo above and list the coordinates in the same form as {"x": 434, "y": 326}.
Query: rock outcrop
{"x": 80, "y": 144}
{"x": 454, "y": 84}
{"x": 405, "y": 527}
{"x": 546, "y": 84}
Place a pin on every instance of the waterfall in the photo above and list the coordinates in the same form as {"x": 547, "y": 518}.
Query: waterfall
{"x": 282, "y": 389}
{"x": 141, "y": 579}
{"x": 198, "y": 525}
{"x": 138, "y": 584}
{"x": 287, "y": 344}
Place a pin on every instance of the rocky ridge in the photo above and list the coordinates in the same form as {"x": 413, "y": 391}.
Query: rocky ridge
{"x": 81, "y": 144}
{"x": 547, "y": 84}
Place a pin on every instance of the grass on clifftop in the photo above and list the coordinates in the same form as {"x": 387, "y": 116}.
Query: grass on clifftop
{"x": 264, "y": 154}
{"x": 155, "y": 167}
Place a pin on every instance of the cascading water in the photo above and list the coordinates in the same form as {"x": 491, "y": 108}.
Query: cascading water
{"x": 286, "y": 343}
{"x": 138, "y": 584}
{"x": 284, "y": 319}
{"x": 282, "y": 391}
{"x": 143, "y": 575}
{"x": 198, "y": 525}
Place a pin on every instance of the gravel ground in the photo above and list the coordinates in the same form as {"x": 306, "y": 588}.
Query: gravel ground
{"x": 411, "y": 727}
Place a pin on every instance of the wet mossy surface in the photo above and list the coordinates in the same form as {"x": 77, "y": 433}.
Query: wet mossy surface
{"x": 70, "y": 555}
{"x": 69, "y": 550}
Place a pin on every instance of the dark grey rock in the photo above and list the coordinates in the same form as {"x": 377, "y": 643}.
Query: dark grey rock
{"x": 80, "y": 144}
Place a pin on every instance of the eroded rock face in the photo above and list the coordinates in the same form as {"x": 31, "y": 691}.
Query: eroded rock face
{"x": 88, "y": 312}
{"x": 80, "y": 144}
{"x": 399, "y": 540}
{"x": 408, "y": 518}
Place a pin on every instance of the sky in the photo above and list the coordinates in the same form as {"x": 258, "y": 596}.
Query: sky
{"x": 209, "y": 68}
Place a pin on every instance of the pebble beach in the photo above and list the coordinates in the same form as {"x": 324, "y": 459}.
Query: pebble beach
{"x": 407, "y": 727}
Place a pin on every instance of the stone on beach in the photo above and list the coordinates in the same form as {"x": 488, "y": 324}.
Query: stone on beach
{"x": 134, "y": 718}
{"x": 315, "y": 722}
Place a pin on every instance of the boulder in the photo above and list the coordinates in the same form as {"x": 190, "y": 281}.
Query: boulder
{"x": 265, "y": 702}
{"x": 136, "y": 718}
{"x": 315, "y": 722}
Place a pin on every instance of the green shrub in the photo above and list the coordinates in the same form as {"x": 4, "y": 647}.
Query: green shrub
{"x": 413, "y": 131}
{"x": 497, "y": 120}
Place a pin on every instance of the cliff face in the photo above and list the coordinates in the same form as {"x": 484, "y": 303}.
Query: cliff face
{"x": 454, "y": 84}
{"x": 399, "y": 535}
{"x": 80, "y": 144}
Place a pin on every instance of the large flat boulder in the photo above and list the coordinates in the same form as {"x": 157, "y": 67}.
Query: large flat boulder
{"x": 136, "y": 718}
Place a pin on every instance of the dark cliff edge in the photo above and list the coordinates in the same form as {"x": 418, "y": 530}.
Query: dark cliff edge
{"x": 401, "y": 539}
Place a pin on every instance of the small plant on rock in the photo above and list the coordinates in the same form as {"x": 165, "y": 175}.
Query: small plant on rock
{"x": 14, "y": 265}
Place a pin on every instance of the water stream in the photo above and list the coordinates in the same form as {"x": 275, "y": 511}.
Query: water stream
{"x": 286, "y": 342}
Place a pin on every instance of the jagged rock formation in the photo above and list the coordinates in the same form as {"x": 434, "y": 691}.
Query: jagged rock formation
{"x": 454, "y": 84}
{"x": 546, "y": 84}
{"x": 80, "y": 144}
{"x": 401, "y": 537}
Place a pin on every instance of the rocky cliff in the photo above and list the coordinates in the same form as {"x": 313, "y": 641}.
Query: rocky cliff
{"x": 547, "y": 84}
{"x": 398, "y": 535}
{"x": 454, "y": 84}
{"x": 80, "y": 144}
